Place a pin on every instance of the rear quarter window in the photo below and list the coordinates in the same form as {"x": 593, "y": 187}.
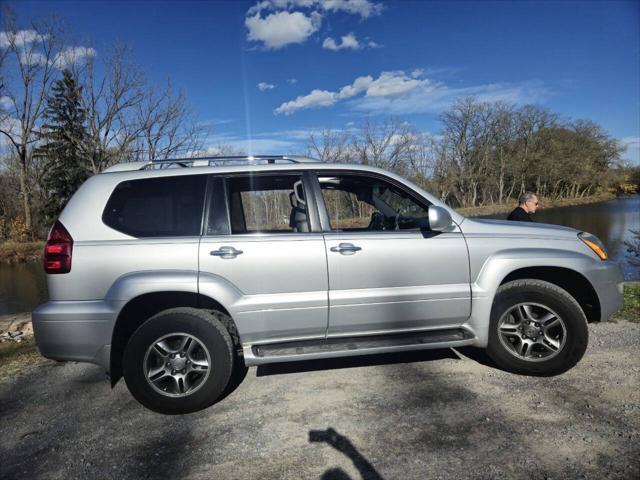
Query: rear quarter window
{"x": 157, "y": 207}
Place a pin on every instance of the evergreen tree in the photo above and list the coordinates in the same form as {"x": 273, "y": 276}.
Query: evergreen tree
{"x": 64, "y": 135}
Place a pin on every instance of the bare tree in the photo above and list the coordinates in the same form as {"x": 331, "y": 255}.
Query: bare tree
{"x": 331, "y": 146}
{"x": 31, "y": 54}
{"x": 110, "y": 103}
{"x": 167, "y": 127}
{"x": 387, "y": 144}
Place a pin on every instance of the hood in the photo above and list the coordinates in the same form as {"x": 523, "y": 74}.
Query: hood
{"x": 508, "y": 227}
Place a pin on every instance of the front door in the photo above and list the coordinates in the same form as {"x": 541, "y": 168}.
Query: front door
{"x": 387, "y": 270}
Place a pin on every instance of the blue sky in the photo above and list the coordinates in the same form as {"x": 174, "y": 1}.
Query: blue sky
{"x": 330, "y": 64}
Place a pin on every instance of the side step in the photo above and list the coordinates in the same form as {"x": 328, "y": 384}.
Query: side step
{"x": 347, "y": 346}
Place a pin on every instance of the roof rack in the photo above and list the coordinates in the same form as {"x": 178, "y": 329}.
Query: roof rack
{"x": 210, "y": 162}
{"x": 226, "y": 160}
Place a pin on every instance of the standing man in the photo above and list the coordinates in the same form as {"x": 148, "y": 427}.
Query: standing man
{"x": 528, "y": 203}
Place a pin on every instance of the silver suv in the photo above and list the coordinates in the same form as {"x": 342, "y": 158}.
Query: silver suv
{"x": 175, "y": 274}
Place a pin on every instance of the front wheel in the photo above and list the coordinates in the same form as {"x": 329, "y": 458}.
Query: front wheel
{"x": 536, "y": 328}
{"x": 179, "y": 361}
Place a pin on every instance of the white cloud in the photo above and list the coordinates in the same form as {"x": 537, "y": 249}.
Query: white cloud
{"x": 395, "y": 92}
{"x": 363, "y": 8}
{"x": 262, "y": 86}
{"x": 359, "y": 85}
{"x": 21, "y": 38}
{"x": 348, "y": 41}
{"x": 65, "y": 58}
{"x": 277, "y": 23}
{"x": 317, "y": 98}
{"x": 387, "y": 84}
{"x": 71, "y": 55}
{"x": 277, "y": 30}
{"x": 5, "y": 102}
{"x": 11, "y": 125}
{"x": 392, "y": 84}
{"x": 32, "y": 58}
{"x": 292, "y": 81}
{"x": 437, "y": 96}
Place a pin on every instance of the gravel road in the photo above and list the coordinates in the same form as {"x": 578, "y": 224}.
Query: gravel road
{"x": 427, "y": 415}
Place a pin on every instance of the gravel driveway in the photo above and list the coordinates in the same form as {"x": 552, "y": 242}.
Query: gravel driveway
{"x": 427, "y": 415}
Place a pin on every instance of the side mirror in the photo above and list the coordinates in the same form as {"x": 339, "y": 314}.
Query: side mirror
{"x": 439, "y": 219}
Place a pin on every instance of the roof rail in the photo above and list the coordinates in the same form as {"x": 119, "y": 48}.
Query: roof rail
{"x": 222, "y": 160}
{"x": 209, "y": 162}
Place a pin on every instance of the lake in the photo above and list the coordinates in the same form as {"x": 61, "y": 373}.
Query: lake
{"x": 23, "y": 286}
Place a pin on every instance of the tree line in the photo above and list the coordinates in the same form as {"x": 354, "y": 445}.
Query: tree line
{"x": 486, "y": 153}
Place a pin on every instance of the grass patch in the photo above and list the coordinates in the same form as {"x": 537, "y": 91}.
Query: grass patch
{"x": 19, "y": 252}
{"x": 16, "y": 357}
{"x": 631, "y": 308}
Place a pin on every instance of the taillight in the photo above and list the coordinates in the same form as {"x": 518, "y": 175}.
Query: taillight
{"x": 57, "y": 250}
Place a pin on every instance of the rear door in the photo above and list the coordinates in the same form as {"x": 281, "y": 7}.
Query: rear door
{"x": 264, "y": 238}
{"x": 387, "y": 270}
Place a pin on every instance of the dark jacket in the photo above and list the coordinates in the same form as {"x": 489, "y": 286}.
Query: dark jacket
{"x": 520, "y": 215}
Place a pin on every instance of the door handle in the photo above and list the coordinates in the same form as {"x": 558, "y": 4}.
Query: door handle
{"x": 346, "y": 249}
{"x": 226, "y": 252}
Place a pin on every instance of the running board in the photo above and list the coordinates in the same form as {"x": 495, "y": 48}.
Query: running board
{"x": 349, "y": 346}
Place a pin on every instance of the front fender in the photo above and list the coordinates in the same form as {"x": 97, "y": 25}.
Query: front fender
{"x": 500, "y": 264}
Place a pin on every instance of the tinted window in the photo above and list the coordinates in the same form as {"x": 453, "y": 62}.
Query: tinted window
{"x": 361, "y": 203}
{"x": 157, "y": 207}
{"x": 268, "y": 203}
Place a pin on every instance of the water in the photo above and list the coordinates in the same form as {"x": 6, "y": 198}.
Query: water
{"x": 23, "y": 286}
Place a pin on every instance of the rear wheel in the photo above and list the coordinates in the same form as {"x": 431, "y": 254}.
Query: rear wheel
{"x": 179, "y": 361}
{"x": 536, "y": 328}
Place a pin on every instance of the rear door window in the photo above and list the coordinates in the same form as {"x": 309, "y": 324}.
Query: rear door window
{"x": 267, "y": 204}
{"x": 157, "y": 207}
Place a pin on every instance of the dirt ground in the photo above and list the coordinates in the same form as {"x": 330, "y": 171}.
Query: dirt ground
{"x": 428, "y": 415}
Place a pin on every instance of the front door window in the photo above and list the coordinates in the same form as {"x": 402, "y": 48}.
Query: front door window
{"x": 361, "y": 203}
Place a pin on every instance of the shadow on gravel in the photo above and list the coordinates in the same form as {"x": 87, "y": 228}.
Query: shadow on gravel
{"x": 354, "y": 362}
{"x": 478, "y": 355}
{"x": 238, "y": 374}
{"x": 97, "y": 430}
{"x": 343, "y": 445}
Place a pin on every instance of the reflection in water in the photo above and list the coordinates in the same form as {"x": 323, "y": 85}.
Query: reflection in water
{"x": 611, "y": 221}
{"x": 23, "y": 287}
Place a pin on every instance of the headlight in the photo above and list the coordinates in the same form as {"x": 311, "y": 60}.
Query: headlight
{"x": 594, "y": 244}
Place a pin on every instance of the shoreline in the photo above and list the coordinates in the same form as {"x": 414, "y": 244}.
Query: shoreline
{"x": 546, "y": 203}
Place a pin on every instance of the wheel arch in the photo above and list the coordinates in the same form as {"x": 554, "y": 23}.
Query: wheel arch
{"x": 576, "y": 284}
{"x": 142, "y": 307}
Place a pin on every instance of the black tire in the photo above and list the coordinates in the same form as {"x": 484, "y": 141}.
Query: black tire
{"x": 555, "y": 299}
{"x": 214, "y": 340}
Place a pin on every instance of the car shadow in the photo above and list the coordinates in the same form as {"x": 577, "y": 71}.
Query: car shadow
{"x": 478, "y": 355}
